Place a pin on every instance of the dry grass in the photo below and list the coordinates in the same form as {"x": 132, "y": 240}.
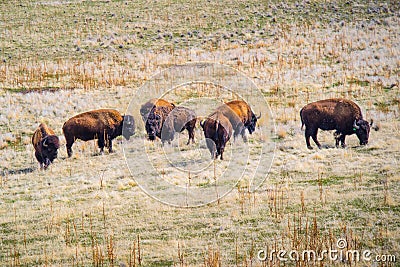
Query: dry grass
{"x": 89, "y": 211}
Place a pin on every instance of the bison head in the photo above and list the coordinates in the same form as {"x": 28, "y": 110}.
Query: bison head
{"x": 168, "y": 129}
{"x": 128, "y": 126}
{"x": 153, "y": 125}
{"x": 252, "y": 125}
{"x": 361, "y": 128}
{"x": 49, "y": 148}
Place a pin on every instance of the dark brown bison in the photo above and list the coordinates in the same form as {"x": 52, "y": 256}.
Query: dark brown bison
{"x": 102, "y": 124}
{"x": 156, "y": 122}
{"x": 164, "y": 121}
{"x": 217, "y": 130}
{"x": 240, "y": 116}
{"x": 152, "y": 103}
{"x": 46, "y": 145}
{"x": 338, "y": 114}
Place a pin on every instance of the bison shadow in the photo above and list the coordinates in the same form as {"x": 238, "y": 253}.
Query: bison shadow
{"x": 328, "y": 147}
{"x": 27, "y": 170}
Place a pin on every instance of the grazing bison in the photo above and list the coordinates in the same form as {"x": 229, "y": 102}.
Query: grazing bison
{"x": 217, "y": 131}
{"x": 338, "y": 114}
{"x": 183, "y": 118}
{"x": 164, "y": 121}
{"x": 102, "y": 124}
{"x": 46, "y": 144}
{"x": 152, "y": 103}
{"x": 241, "y": 117}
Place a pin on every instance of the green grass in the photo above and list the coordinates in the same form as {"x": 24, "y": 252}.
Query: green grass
{"x": 331, "y": 180}
{"x": 358, "y": 82}
{"x": 110, "y": 27}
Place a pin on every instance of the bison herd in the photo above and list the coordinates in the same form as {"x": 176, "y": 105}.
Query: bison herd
{"x": 163, "y": 119}
{"x": 102, "y": 124}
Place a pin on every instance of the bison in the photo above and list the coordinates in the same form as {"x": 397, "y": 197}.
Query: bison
{"x": 240, "y": 116}
{"x": 164, "y": 121}
{"x": 156, "y": 122}
{"x": 338, "y": 114}
{"x": 46, "y": 145}
{"x": 146, "y": 108}
{"x": 102, "y": 124}
{"x": 217, "y": 130}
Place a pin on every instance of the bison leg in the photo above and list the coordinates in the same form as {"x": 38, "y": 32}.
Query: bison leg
{"x": 237, "y": 131}
{"x": 40, "y": 159}
{"x": 46, "y": 163}
{"x": 191, "y": 135}
{"x": 307, "y": 135}
{"x": 314, "y": 137}
{"x": 165, "y": 140}
{"x": 190, "y": 129}
{"x": 100, "y": 143}
{"x": 218, "y": 151}
{"x": 313, "y": 133}
{"x": 343, "y": 140}
{"x": 337, "y": 138}
{"x": 243, "y": 133}
{"x": 69, "y": 146}
{"x": 211, "y": 147}
{"x": 110, "y": 149}
{"x": 221, "y": 152}
{"x": 69, "y": 150}
{"x": 235, "y": 134}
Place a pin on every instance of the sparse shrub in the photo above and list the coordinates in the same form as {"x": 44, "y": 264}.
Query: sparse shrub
{"x": 281, "y": 133}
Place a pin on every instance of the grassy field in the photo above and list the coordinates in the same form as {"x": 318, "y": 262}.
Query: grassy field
{"x": 60, "y": 58}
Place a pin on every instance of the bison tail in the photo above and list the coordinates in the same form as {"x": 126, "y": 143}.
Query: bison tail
{"x": 301, "y": 118}
{"x": 64, "y": 128}
{"x": 216, "y": 130}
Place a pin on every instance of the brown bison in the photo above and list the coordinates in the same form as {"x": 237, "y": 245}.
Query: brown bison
{"x": 217, "y": 131}
{"x": 240, "y": 116}
{"x": 164, "y": 121}
{"x": 338, "y": 114}
{"x": 46, "y": 144}
{"x": 152, "y": 103}
{"x": 102, "y": 124}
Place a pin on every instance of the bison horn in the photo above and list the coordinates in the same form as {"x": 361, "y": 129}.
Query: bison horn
{"x": 259, "y": 116}
{"x": 355, "y": 126}
{"x": 44, "y": 142}
{"x": 202, "y": 124}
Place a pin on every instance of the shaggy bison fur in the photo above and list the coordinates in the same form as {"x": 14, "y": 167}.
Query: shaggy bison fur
{"x": 46, "y": 145}
{"x": 102, "y": 124}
